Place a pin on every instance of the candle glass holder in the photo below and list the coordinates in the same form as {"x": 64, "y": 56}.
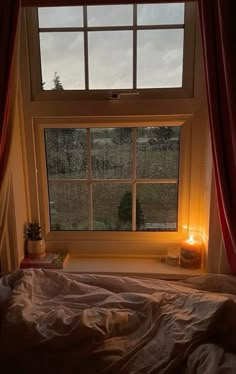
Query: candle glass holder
{"x": 191, "y": 253}
{"x": 172, "y": 257}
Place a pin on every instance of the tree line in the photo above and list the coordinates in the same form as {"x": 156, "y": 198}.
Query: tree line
{"x": 56, "y": 82}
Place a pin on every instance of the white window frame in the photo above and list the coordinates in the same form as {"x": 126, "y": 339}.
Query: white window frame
{"x": 70, "y": 110}
{"x": 85, "y": 242}
{"x": 187, "y": 89}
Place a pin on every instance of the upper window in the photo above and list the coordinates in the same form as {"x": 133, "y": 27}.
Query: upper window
{"x": 140, "y": 48}
{"x": 112, "y": 47}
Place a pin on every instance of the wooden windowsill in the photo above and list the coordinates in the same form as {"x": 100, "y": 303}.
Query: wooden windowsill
{"x": 151, "y": 268}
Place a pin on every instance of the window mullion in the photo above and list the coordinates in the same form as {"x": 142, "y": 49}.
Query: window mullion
{"x": 134, "y": 179}
{"x": 90, "y": 184}
{"x": 134, "y": 46}
{"x": 86, "y": 70}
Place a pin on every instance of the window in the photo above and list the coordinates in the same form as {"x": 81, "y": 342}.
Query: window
{"x": 121, "y": 179}
{"x": 113, "y": 176}
{"x": 106, "y": 181}
{"x": 95, "y": 50}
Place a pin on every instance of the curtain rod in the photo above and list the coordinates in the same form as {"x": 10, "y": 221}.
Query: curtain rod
{"x": 45, "y": 3}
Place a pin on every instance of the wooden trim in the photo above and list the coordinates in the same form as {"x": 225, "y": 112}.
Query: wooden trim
{"x": 45, "y": 3}
{"x": 189, "y": 49}
{"x": 86, "y": 52}
{"x": 112, "y": 28}
{"x": 34, "y": 48}
{"x": 114, "y": 181}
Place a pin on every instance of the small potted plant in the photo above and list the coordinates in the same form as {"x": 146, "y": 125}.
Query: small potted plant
{"x": 35, "y": 242}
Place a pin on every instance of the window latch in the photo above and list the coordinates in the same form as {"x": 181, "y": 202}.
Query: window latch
{"x": 117, "y": 95}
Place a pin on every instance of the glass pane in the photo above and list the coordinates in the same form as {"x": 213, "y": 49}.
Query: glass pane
{"x": 160, "y": 14}
{"x": 110, "y": 15}
{"x": 157, "y": 152}
{"x": 66, "y": 153}
{"x": 68, "y": 205}
{"x": 61, "y": 16}
{"x": 159, "y": 205}
{"x": 111, "y": 153}
{"x": 62, "y": 60}
{"x": 110, "y": 56}
{"x": 112, "y": 206}
{"x": 159, "y": 58}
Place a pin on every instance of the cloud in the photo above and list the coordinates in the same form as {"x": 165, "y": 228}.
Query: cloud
{"x": 159, "y": 58}
{"x": 110, "y": 15}
{"x": 61, "y": 16}
{"x": 110, "y": 59}
{"x": 63, "y": 52}
{"x": 110, "y": 53}
{"x": 160, "y": 14}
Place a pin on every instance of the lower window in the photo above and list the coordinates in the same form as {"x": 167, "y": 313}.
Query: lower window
{"x": 113, "y": 179}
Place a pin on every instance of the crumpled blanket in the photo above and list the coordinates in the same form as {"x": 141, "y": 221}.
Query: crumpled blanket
{"x": 58, "y": 322}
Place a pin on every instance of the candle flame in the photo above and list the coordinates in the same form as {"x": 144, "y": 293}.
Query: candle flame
{"x": 191, "y": 240}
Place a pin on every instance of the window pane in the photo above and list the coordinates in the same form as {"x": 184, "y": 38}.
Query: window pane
{"x": 112, "y": 206}
{"x": 157, "y": 152}
{"x": 159, "y": 205}
{"x": 66, "y": 153}
{"x": 111, "y": 153}
{"x": 157, "y": 157}
{"x": 61, "y": 16}
{"x": 110, "y": 15}
{"x": 110, "y": 59}
{"x": 160, "y": 14}
{"x": 68, "y": 205}
{"x": 159, "y": 58}
{"x": 62, "y": 53}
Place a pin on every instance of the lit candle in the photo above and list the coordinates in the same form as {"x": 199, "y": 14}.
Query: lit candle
{"x": 191, "y": 253}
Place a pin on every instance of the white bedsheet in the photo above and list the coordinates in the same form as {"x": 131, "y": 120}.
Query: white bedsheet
{"x": 57, "y": 322}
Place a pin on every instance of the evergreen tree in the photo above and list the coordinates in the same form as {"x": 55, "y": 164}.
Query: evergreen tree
{"x": 125, "y": 210}
{"x": 57, "y": 82}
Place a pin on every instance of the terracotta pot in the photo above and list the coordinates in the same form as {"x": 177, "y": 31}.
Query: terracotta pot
{"x": 36, "y": 248}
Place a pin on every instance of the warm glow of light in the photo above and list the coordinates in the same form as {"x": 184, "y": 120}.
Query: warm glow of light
{"x": 191, "y": 240}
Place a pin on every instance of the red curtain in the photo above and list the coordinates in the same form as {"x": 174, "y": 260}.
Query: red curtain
{"x": 9, "y": 13}
{"x": 218, "y": 28}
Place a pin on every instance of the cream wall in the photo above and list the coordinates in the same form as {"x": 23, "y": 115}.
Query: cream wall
{"x": 19, "y": 198}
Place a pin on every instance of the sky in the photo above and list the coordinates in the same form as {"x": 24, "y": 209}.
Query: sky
{"x": 110, "y": 53}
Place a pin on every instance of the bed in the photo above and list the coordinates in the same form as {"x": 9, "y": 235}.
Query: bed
{"x": 58, "y": 322}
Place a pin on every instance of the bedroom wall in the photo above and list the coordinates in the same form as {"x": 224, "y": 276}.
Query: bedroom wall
{"x": 214, "y": 258}
{"x": 15, "y": 195}
{"x": 15, "y": 208}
